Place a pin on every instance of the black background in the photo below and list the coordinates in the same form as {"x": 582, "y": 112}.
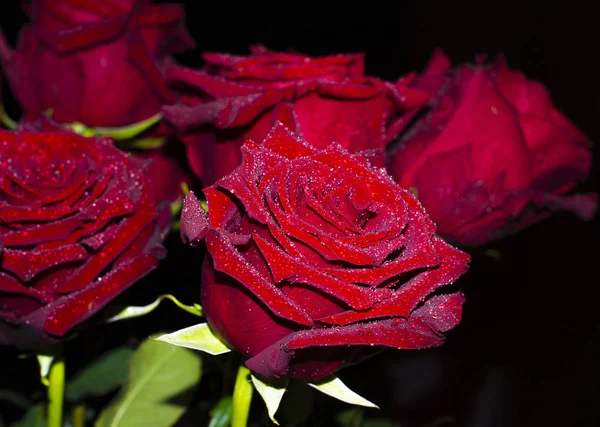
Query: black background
{"x": 528, "y": 349}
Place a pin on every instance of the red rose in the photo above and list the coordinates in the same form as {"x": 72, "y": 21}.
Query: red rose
{"x": 323, "y": 99}
{"x": 77, "y": 227}
{"x": 492, "y": 155}
{"x": 99, "y": 62}
{"x": 317, "y": 259}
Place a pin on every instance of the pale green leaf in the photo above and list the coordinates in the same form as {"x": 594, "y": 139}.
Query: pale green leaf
{"x": 272, "y": 391}
{"x": 334, "y": 387}
{"x": 220, "y": 414}
{"x": 197, "y": 337}
{"x": 102, "y": 376}
{"x": 137, "y": 311}
{"x": 158, "y": 374}
{"x": 45, "y": 361}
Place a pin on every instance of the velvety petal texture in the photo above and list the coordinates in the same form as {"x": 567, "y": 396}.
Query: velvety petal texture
{"x": 323, "y": 99}
{"x": 99, "y": 62}
{"x": 78, "y": 225}
{"x": 492, "y": 154}
{"x": 317, "y": 259}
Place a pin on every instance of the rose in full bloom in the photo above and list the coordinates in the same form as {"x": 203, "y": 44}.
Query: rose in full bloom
{"x": 78, "y": 225}
{"x": 324, "y": 99}
{"x": 99, "y": 62}
{"x": 316, "y": 260}
{"x": 492, "y": 155}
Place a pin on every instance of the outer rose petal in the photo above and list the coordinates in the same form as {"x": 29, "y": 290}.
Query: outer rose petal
{"x": 278, "y": 359}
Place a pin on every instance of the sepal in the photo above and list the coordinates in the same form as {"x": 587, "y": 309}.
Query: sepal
{"x": 271, "y": 390}
{"x": 334, "y": 387}
{"x": 197, "y": 337}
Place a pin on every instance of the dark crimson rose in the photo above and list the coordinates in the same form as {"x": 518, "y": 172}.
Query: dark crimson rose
{"x": 317, "y": 260}
{"x": 99, "y": 62}
{"x": 77, "y": 227}
{"x": 323, "y": 99}
{"x": 492, "y": 155}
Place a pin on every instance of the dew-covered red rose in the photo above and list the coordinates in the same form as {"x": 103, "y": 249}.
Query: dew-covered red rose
{"x": 77, "y": 227}
{"x": 99, "y": 62}
{"x": 317, "y": 260}
{"x": 492, "y": 155}
{"x": 324, "y": 99}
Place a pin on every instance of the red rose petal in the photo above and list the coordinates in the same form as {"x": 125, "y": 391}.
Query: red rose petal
{"x": 281, "y": 141}
{"x": 43, "y": 233}
{"x": 411, "y": 293}
{"x": 83, "y": 35}
{"x": 80, "y": 306}
{"x": 284, "y": 267}
{"x": 213, "y": 86}
{"x": 442, "y": 313}
{"x": 128, "y": 230}
{"x": 11, "y": 214}
{"x": 193, "y": 219}
{"x": 227, "y": 260}
{"x": 11, "y": 285}
{"x": 26, "y": 264}
{"x": 275, "y": 361}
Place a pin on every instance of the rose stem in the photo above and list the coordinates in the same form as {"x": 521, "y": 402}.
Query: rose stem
{"x": 78, "y": 417}
{"x": 56, "y": 390}
{"x": 242, "y": 396}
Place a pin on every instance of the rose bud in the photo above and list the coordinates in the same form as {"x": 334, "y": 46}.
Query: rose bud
{"x": 324, "y": 99}
{"x": 492, "y": 155}
{"x": 98, "y": 62}
{"x": 78, "y": 225}
{"x": 317, "y": 260}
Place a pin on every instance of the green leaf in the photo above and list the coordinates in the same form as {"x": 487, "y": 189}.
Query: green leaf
{"x": 272, "y": 391}
{"x": 34, "y": 417}
{"x": 45, "y": 362}
{"x": 334, "y": 387}
{"x": 220, "y": 414}
{"x": 14, "y": 398}
{"x": 352, "y": 417}
{"x": 197, "y": 337}
{"x": 157, "y": 375}
{"x": 116, "y": 133}
{"x": 102, "y": 376}
{"x": 137, "y": 311}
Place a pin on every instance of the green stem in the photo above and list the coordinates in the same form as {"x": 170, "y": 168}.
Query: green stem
{"x": 56, "y": 390}
{"x": 242, "y": 397}
{"x": 78, "y": 417}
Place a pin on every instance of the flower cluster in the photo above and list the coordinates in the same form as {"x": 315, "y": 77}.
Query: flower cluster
{"x": 330, "y": 193}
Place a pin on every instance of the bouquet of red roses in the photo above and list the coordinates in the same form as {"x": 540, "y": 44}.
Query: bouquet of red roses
{"x": 332, "y": 212}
